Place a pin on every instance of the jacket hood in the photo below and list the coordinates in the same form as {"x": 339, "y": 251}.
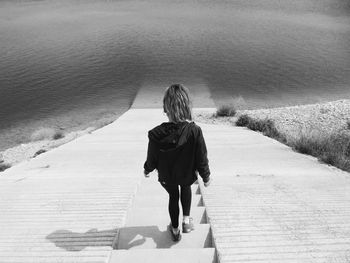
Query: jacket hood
{"x": 171, "y": 135}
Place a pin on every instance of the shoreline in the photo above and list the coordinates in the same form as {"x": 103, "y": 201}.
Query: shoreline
{"x": 328, "y": 117}
{"x": 25, "y": 151}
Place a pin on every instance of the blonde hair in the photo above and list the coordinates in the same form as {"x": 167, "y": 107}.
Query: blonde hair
{"x": 177, "y": 103}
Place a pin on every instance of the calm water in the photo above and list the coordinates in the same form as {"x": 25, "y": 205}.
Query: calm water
{"x": 71, "y": 63}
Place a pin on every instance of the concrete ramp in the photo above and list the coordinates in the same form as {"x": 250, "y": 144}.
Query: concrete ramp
{"x": 267, "y": 203}
{"x": 152, "y": 96}
{"x": 270, "y": 204}
{"x": 146, "y": 229}
{"x": 67, "y": 205}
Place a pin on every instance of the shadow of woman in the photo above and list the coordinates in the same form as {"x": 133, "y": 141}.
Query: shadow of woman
{"x": 147, "y": 236}
{"x": 72, "y": 241}
{"x": 128, "y": 237}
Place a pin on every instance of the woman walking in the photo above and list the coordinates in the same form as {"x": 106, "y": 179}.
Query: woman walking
{"x": 177, "y": 150}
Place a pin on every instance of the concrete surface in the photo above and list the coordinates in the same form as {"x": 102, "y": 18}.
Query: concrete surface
{"x": 266, "y": 203}
{"x": 186, "y": 255}
{"x": 147, "y": 221}
{"x": 270, "y": 204}
{"x": 68, "y": 204}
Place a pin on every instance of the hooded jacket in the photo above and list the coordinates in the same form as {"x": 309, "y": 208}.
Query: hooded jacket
{"x": 178, "y": 152}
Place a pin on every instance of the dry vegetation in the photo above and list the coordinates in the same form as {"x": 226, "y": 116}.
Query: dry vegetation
{"x": 47, "y": 134}
{"x": 226, "y": 111}
{"x": 331, "y": 148}
{"x": 320, "y": 130}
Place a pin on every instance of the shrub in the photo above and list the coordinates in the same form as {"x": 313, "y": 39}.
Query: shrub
{"x": 43, "y": 134}
{"x": 332, "y": 149}
{"x": 243, "y": 120}
{"x": 4, "y": 166}
{"x": 46, "y": 134}
{"x": 255, "y": 125}
{"x": 58, "y": 135}
{"x": 266, "y": 126}
{"x": 348, "y": 125}
{"x": 226, "y": 111}
{"x": 305, "y": 144}
{"x": 39, "y": 152}
{"x": 269, "y": 129}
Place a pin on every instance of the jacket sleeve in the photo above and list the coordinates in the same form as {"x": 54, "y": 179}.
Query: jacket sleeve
{"x": 202, "y": 163}
{"x": 152, "y": 157}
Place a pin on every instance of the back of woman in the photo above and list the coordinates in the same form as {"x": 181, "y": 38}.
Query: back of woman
{"x": 177, "y": 150}
{"x": 178, "y": 153}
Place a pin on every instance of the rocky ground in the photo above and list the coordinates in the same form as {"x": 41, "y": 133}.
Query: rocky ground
{"x": 43, "y": 140}
{"x": 27, "y": 151}
{"x": 330, "y": 117}
{"x": 324, "y": 118}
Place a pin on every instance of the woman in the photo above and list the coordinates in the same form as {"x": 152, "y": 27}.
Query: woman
{"x": 177, "y": 150}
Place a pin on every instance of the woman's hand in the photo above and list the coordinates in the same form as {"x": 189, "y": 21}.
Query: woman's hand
{"x": 206, "y": 184}
{"x": 146, "y": 174}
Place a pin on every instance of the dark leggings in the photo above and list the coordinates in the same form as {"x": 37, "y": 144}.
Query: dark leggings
{"x": 174, "y": 195}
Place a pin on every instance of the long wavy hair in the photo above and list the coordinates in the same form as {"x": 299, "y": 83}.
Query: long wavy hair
{"x": 177, "y": 103}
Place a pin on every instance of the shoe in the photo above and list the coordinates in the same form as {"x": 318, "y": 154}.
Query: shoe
{"x": 187, "y": 228}
{"x": 176, "y": 237}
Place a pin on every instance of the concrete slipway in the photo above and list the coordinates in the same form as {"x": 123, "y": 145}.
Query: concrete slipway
{"x": 266, "y": 203}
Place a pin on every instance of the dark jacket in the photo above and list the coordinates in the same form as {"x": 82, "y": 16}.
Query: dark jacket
{"x": 177, "y": 151}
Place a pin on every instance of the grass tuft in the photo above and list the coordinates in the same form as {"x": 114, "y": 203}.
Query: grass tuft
{"x": 4, "y": 166}
{"x": 226, "y": 111}
{"x": 58, "y": 135}
{"x": 266, "y": 126}
{"x": 333, "y": 149}
{"x": 305, "y": 144}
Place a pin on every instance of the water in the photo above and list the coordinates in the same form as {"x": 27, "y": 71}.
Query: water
{"x": 67, "y": 64}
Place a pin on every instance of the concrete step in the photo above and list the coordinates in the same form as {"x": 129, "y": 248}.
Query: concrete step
{"x": 148, "y": 187}
{"x": 160, "y": 216}
{"x": 156, "y": 200}
{"x": 203, "y": 255}
{"x": 150, "y": 237}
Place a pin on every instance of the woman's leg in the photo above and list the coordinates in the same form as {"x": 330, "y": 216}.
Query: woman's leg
{"x": 186, "y": 199}
{"x": 173, "y": 191}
